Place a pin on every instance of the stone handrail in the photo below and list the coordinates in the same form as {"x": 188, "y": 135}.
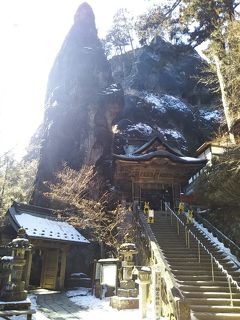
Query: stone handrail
{"x": 177, "y": 304}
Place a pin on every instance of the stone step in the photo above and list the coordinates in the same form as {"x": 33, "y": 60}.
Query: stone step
{"x": 194, "y": 257}
{"x": 215, "y": 309}
{"x": 213, "y": 301}
{"x": 209, "y": 288}
{"x": 204, "y": 283}
{"x": 200, "y": 295}
{"x": 199, "y": 278}
{"x": 206, "y": 265}
{"x": 189, "y": 271}
{"x": 215, "y": 316}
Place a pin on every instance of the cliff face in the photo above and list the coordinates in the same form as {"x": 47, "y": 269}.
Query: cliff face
{"x": 163, "y": 95}
{"x": 81, "y": 102}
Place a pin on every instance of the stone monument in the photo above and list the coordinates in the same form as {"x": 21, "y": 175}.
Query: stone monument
{"x": 127, "y": 294}
{"x": 12, "y": 266}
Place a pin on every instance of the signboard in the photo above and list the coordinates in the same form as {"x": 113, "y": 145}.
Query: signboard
{"x": 109, "y": 275}
{"x": 156, "y": 293}
{"x": 151, "y": 216}
{"x": 98, "y": 271}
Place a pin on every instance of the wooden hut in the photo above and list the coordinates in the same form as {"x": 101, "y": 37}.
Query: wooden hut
{"x": 51, "y": 239}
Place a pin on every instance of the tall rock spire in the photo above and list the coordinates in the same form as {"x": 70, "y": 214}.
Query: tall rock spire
{"x": 81, "y": 103}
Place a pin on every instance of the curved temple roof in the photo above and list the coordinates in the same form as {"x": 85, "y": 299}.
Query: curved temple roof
{"x": 160, "y": 154}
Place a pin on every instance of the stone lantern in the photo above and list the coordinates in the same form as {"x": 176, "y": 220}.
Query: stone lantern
{"x": 5, "y": 271}
{"x": 127, "y": 293}
{"x": 144, "y": 279}
{"x": 127, "y": 251}
{"x": 13, "y": 289}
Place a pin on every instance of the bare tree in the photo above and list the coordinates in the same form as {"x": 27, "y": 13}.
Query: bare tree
{"x": 80, "y": 202}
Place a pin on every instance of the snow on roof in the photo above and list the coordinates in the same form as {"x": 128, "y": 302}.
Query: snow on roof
{"x": 164, "y": 102}
{"x": 38, "y": 225}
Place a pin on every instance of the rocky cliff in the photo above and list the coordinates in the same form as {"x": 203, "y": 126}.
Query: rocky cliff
{"x": 164, "y": 96}
{"x": 81, "y": 102}
{"x": 84, "y": 104}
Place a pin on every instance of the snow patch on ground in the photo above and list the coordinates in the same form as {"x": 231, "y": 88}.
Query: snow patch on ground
{"x": 37, "y": 316}
{"x": 164, "y": 102}
{"x": 94, "y": 308}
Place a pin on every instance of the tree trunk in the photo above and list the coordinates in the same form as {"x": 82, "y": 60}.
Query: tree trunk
{"x": 225, "y": 100}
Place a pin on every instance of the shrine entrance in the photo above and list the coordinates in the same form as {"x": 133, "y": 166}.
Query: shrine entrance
{"x": 154, "y": 173}
{"x": 50, "y": 269}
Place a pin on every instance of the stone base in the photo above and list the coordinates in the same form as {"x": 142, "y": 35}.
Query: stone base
{"x": 127, "y": 293}
{"x": 9, "y": 296}
{"x": 121, "y": 303}
{"x": 127, "y": 284}
{"x": 15, "y": 305}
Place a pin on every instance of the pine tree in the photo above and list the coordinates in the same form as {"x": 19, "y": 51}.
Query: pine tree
{"x": 212, "y": 21}
{"x": 120, "y": 35}
{"x": 16, "y": 181}
{"x": 215, "y": 23}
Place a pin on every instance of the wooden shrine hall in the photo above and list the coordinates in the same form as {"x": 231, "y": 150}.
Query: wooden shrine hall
{"x": 154, "y": 172}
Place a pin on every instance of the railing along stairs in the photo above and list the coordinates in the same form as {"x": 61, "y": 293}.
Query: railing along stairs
{"x": 228, "y": 243}
{"x": 213, "y": 260}
{"x": 175, "y": 301}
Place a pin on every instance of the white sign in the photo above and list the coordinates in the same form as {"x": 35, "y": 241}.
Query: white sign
{"x": 109, "y": 275}
{"x": 156, "y": 293}
{"x": 151, "y": 213}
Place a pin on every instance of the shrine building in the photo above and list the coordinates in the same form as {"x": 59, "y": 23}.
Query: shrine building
{"x": 154, "y": 172}
{"x": 51, "y": 239}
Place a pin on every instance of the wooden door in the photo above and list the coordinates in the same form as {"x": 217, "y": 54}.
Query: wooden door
{"x": 50, "y": 269}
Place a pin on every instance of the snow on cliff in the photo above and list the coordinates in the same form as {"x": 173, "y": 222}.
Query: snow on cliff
{"x": 164, "y": 102}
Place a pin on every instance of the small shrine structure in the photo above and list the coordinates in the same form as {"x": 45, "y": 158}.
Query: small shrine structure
{"x": 154, "y": 172}
{"x": 51, "y": 239}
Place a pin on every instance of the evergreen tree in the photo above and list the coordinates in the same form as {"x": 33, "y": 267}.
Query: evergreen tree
{"x": 121, "y": 35}
{"x": 160, "y": 20}
{"x": 219, "y": 185}
{"x": 16, "y": 181}
{"x": 215, "y": 23}
{"x": 212, "y": 21}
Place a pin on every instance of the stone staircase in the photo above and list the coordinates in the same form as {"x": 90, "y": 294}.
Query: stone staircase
{"x": 208, "y": 299}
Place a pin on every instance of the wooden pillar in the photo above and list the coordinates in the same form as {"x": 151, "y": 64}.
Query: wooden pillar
{"x": 27, "y": 269}
{"x": 173, "y": 197}
{"x": 63, "y": 268}
{"x": 140, "y": 193}
{"x": 132, "y": 190}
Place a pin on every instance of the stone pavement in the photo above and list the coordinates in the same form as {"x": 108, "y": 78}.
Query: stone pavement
{"x": 57, "y": 306}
